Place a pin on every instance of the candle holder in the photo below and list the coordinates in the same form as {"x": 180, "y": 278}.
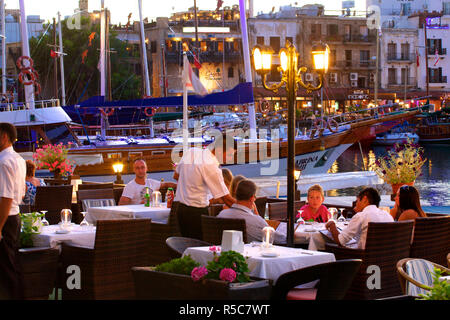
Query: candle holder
{"x": 267, "y": 238}
{"x": 66, "y": 218}
{"x": 156, "y": 199}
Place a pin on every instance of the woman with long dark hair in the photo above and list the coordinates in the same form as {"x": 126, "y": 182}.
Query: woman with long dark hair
{"x": 407, "y": 204}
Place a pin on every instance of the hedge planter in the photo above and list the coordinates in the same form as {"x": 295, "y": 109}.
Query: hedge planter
{"x": 155, "y": 285}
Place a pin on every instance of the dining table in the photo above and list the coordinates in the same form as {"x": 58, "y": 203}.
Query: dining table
{"x": 265, "y": 265}
{"x": 53, "y": 235}
{"x": 158, "y": 214}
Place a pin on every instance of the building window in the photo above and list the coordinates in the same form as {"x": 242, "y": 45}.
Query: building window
{"x": 405, "y": 51}
{"x": 274, "y": 74}
{"x": 316, "y": 29}
{"x": 260, "y": 41}
{"x": 392, "y": 50}
{"x": 405, "y": 76}
{"x": 230, "y": 72}
{"x": 392, "y": 76}
{"x": 446, "y": 8}
{"x": 153, "y": 46}
{"x": 348, "y": 58}
{"x": 405, "y": 9}
{"x": 275, "y": 44}
{"x": 333, "y": 57}
{"x": 435, "y": 75}
{"x": 364, "y": 58}
{"x": 434, "y": 45}
{"x": 332, "y": 29}
{"x": 290, "y": 39}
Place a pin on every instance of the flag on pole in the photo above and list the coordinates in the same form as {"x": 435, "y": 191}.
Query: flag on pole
{"x": 197, "y": 63}
{"x": 436, "y": 58}
{"x": 53, "y": 54}
{"x": 191, "y": 80}
{"x": 417, "y": 57}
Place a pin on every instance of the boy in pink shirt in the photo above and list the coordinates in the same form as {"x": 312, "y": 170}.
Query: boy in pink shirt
{"x": 315, "y": 210}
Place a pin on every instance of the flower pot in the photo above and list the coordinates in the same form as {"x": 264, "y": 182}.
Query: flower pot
{"x": 56, "y": 174}
{"x": 397, "y": 186}
{"x": 155, "y": 285}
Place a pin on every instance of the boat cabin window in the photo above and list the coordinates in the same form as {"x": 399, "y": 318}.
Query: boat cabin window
{"x": 115, "y": 155}
{"x": 134, "y": 155}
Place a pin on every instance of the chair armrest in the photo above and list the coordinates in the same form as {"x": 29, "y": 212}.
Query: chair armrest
{"x": 26, "y": 251}
{"x": 408, "y": 278}
{"x": 76, "y": 254}
{"x": 343, "y": 252}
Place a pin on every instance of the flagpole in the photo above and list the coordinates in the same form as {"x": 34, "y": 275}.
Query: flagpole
{"x": 185, "y": 104}
{"x": 3, "y": 48}
{"x": 29, "y": 89}
{"x": 61, "y": 62}
{"x": 426, "y": 59}
{"x": 248, "y": 71}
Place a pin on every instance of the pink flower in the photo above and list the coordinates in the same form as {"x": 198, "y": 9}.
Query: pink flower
{"x": 214, "y": 249}
{"x": 227, "y": 274}
{"x": 198, "y": 273}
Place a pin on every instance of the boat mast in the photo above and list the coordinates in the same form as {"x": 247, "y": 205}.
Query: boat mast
{"x": 102, "y": 65}
{"x": 61, "y": 62}
{"x": 248, "y": 71}
{"x": 144, "y": 61}
{"x": 2, "y": 4}
{"x": 29, "y": 89}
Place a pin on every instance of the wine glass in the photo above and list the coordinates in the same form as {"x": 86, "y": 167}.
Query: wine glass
{"x": 300, "y": 219}
{"x": 341, "y": 217}
{"x": 43, "y": 220}
{"x": 84, "y": 223}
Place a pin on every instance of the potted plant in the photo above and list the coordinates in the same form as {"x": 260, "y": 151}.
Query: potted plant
{"x": 400, "y": 166}
{"x": 31, "y": 224}
{"x": 224, "y": 278}
{"x": 440, "y": 289}
{"x": 54, "y": 158}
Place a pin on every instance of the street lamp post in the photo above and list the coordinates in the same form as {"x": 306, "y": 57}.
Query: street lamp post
{"x": 291, "y": 79}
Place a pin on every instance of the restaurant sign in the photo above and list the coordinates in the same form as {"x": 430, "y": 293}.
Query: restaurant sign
{"x": 358, "y": 95}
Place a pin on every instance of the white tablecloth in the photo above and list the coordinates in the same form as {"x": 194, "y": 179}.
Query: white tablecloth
{"x": 157, "y": 214}
{"x": 80, "y": 236}
{"x": 289, "y": 259}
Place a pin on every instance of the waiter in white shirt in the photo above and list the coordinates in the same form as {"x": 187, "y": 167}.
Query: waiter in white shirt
{"x": 198, "y": 174}
{"x": 134, "y": 191}
{"x": 12, "y": 190}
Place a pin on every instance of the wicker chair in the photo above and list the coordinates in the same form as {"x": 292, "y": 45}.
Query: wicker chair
{"x": 261, "y": 206}
{"x": 431, "y": 239}
{"x": 94, "y": 194}
{"x": 106, "y": 269}
{"x": 39, "y": 270}
{"x": 159, "y": 252}
{"x": 90, "y": 186}
{"x": 214, "y": 209}
{"x": 53, "y": 199}
{"x": 386, "y": 243}
{"x": 278, "y": 210}
{"x": 58, "y": 182}
{"x": 212, "y": 228}
{"x": 177, "y": 245}
{"x": 416, "y": 278}
{"x": 335, "y": 279}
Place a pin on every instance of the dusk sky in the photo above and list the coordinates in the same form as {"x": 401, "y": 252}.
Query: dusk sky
{"x": 120, "y": 9}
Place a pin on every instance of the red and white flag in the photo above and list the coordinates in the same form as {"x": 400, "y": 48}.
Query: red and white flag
{"x": 436, "y": 58}
{"x": 191, "y": 80}
{"x": 417, "y": 57}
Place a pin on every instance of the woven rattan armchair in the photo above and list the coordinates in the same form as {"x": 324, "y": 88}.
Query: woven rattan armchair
{"x": 159, "y": 252}
{"x": 431, "y": 239}
{"x": 90, "y": 186}
{"x": 404, "y": 277}
{"x": 105, "y": 270}
{"x": 213, "y": 227}
{"x": 260, "y": 203}
{"x": 177, "y": 245}
{"x": 53, "y": 199}
{"x": 386, "y": 243}
{"x": 278, "y": 210}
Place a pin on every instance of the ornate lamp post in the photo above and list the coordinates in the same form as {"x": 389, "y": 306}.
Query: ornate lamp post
{"x": 291, "y": 78}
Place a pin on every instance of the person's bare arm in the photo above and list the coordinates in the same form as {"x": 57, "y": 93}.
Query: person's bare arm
{"x": 331, "y": 226}
{"x": 228, "y": 200}
{"x": 5, "y": 207}
{"x": 124, "y": 201}
{"x": 176, "y": 175}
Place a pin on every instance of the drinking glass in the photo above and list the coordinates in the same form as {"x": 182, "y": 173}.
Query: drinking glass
{"x": 66, "y": 217}
{"x": 332, "y": 214}
{"x": 341, "y": 217}
{"x": 43, "y": 220}
{"x": 300, "y": 219}
{"x": 84, "y": 223}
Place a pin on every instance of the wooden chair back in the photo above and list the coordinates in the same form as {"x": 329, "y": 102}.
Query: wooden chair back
{"x": 53, "y": 199}
{"x": 58, "y": 182}
{"x": 278, "y": 210}
{"x": 261, "y": 206}
{"x": 431, "y": 240}
{"x": 214, "y": 209}
{"x": 177, "y": 245}
{"x": 88, "y": 186}
{"x": 213, "y": 227}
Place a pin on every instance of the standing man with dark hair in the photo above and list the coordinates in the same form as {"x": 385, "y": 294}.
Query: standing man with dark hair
{"x": 367, "y": 210}
{"x": 12, "y": 190}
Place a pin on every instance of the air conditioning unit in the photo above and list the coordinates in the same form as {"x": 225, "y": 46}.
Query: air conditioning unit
{"x": 372, "y": 78}
{"x": 333, "y": 77}
{"x": 354, "y": 83}
{"x": 353, "y": 76}
{"x": 308, "y": 77}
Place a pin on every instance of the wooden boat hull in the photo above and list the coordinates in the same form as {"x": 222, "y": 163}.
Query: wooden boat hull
{"x": 434, "y": 133}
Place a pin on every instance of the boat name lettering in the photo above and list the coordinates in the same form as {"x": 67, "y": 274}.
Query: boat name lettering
{"x": 302, "y": 163}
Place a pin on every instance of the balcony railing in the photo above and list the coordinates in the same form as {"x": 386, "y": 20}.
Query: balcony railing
{"x": 205, "y": 56}
{"x": 358, "y": 38}
{"x": 401, "y": 57}
{"x": 438, "y": 80}
{"x": 410, "y": 81}
{"x": 441, "y": 51}
{"x": 347, "y": 64}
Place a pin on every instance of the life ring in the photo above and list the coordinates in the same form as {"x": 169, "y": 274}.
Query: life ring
{"x": 107, "y": 111}
{"x": 333, "y": 124}
{"x": 37, "y": 88}
{"x": 153, "y": 111}
{"x": 30, "y": 74}
{"x": 20, "y": 64}
{"x": 264, "y": 106}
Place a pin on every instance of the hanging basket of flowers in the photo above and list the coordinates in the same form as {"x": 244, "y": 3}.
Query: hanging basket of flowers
{"x": 54, "y": 158}
{"x": 402, "y": 165}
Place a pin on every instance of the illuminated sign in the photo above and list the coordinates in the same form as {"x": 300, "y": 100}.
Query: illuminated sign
{"x": 207, "y": 29}
{"x": 435, "y": 23}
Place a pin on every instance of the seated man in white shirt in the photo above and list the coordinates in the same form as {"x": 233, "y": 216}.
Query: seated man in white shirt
{"x": 367, "y": 211}
{"x": 242, "y": 209}
{"x": 134, "y": 191}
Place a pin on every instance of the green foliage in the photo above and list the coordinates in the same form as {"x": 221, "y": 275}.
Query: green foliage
{"x": 440, "y": 289}
{"x": 125, "y": 84}
{"x": 30, "y": 226}
{"x": 228, "y": 259}
{"x": 182, "y": 265}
